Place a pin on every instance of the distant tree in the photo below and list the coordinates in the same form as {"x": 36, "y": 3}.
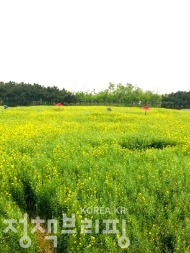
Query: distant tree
{"x": 177, "y": 100}
{"x": 14, "y": 94}
{"x": 18, "y": 94}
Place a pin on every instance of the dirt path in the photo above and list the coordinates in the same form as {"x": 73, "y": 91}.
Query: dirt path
{"x": 45, "y": 246}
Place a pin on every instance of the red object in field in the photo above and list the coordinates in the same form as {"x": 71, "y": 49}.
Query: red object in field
{"x": 146, "y": 108}
{"x": 59, "y": 104}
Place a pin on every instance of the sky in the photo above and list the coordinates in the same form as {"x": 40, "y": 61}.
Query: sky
{"x": 84, "y": 45}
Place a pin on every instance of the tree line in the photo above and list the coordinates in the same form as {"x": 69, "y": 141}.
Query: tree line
{"x": 23, "y": 94}
{"x": 177, "y": 100}
{"x": 19, "y": 94}
{"x": 119, "y": 94}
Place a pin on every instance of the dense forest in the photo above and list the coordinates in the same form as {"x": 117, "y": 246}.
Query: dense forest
{"x": 23, "y": 94}
{"x": 177, "y": 100}
{"x": 18, "y": 94}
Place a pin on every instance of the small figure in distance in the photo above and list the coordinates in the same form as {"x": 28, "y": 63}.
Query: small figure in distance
{"x": 109, "y": 109}
{"x": 5, "y": 107}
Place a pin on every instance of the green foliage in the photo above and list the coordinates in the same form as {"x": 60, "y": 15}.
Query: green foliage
{"x": 22, "y": 94}
{"x": 119, "y": 94}
{"x": 178, "y": 100}
{"x": 58, "y": 161}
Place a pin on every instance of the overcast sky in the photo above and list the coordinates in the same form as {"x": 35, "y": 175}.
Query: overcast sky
{"x": 85, "y": 44}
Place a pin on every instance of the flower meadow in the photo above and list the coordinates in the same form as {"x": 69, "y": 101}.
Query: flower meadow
{"x": 91, "y": 163}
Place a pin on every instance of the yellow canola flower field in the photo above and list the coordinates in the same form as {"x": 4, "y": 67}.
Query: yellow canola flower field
{"x": 102, "y": 167}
